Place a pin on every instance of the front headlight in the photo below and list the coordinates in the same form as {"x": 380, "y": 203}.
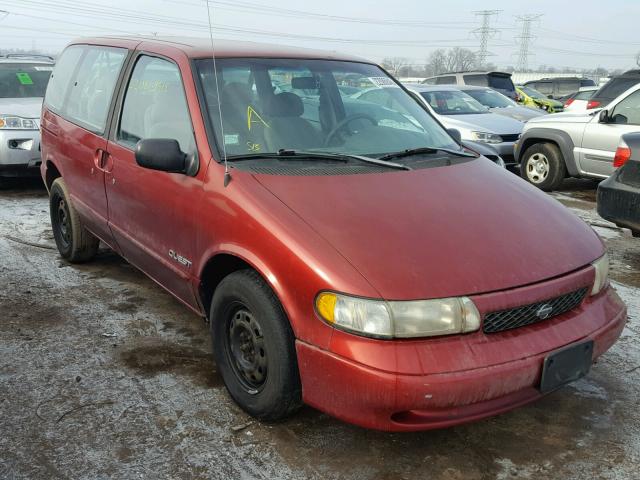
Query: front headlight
{"x": 602, "y": 274}
{"x": 486, "y": 137}
{"x": 399, "y": 319}
{"x": 11, "y": 122}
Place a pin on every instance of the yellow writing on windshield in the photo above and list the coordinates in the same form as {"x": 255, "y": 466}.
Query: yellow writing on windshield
{"x": 254, "y": 117}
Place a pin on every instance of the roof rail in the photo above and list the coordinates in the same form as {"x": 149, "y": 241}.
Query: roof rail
{"x": 27, "y": 56}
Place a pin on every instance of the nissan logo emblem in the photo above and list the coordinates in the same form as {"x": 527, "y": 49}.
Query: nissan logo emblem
{"x": 544, "y": 311}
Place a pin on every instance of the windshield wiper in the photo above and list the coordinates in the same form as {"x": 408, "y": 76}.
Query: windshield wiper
{"x": 423, "y": 150}
{"x": 284, "y": 154}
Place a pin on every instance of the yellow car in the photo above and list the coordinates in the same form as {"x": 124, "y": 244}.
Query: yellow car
{"x": 529, "y": 97}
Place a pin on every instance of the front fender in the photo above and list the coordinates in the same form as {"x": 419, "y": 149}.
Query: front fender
{"x": 559, "y": 137}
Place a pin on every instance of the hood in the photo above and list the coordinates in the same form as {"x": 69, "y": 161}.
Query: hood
{"x": 486, "y": 122}
{"x": 564, "y": 117}
{"x": 21, "y": 107}
{"x": 438, "y": 232}
{"x": 522, "y": 114}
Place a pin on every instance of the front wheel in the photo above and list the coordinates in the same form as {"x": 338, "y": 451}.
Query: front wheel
{"x": 543, "y": 166}
{"x": 254, "y": 347}
{"x": 75, "y": 243}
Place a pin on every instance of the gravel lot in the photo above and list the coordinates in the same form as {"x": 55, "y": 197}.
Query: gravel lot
{"x": 104, "y": 375}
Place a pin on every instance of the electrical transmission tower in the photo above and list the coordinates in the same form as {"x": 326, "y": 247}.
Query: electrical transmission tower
{"x": 525, "y": 39}
{"x": 484, "y": 33}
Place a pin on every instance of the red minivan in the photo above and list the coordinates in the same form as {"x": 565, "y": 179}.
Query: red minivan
{"x": 349, "y": 254}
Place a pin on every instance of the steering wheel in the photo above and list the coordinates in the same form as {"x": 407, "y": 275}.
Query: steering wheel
{"x": 346, "y": 121}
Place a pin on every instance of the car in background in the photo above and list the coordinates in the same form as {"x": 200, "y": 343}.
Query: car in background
{"x": 579, "y": 100}
{"x": 500, "y": 104}
{"x": 613, "y": 88}
{"x": 23, "y": 82}
{"x": 580, "y": 144}
{"x": 475, "y": 122}
{"x": 619, "y": 195}
{"x": 531, "y": 98}
{"x": 558, "y": 87}
{"x": 499, "y": 81}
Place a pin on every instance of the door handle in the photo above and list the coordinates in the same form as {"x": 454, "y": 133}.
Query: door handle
{"x": 103, "y": 161}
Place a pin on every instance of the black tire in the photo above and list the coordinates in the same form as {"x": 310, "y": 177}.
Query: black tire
{"x": 542, "y": 165}
{"x": 75, "y": 243}
{"x": 254, "y": 347}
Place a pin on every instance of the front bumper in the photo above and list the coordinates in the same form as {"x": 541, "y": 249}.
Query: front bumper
{"x": 619, "y": 203}
{"x": 19, "y": 153}
{"x": 506, "y": 151}
{"x": 441, "y": 382}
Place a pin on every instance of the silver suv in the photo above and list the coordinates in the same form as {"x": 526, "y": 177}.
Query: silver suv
{"x": 23, "y": 81}
{"x": 576, "y": 144}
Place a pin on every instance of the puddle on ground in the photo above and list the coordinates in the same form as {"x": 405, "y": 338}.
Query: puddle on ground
{"x": 155, "y": 356}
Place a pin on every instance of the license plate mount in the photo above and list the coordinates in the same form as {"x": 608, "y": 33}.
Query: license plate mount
{"x": 566, "y": 366}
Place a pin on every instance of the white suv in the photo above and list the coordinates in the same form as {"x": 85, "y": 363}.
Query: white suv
{"x": 576, "y": 144}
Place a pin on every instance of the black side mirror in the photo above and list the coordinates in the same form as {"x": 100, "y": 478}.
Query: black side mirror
{"x": 455, "y": 133}
{"x": 161, "y": 154}
{"x": 603, "y": 117}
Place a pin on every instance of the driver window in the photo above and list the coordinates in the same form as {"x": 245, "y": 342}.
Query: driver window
{"x": 628, "y": 110}
{"x": 155, "y": 105}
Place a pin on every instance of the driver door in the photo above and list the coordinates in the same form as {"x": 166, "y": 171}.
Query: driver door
{"x": 600, "y": 140}
{"x": 154, "y": 215}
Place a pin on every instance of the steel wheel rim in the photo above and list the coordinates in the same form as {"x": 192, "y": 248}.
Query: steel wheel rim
{"x": 537, "y": 168}
{"x": 63, "y": 222}
{"x": 246, "y": 350}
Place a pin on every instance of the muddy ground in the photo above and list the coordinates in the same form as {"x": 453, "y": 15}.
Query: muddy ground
{"x": 104, "y": 375}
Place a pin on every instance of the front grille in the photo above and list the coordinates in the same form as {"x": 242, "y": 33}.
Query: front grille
{"x": 533, "y": 313}
{"x": 510, "y": 137}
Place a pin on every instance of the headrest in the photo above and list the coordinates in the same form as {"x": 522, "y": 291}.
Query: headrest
{"x": 236, "y": 94}
{"x": 285, "y": 104}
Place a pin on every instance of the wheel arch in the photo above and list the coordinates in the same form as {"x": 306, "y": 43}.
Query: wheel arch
{"x": 221, "y": 264}
{"x": 560, "y": 139}
{"x": 52, "y": 173}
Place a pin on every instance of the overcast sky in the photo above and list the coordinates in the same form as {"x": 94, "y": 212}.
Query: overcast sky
{"x": 583, "y": 34}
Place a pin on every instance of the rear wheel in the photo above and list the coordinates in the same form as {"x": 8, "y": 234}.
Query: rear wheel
{"x": 75, "y": 243}
{"x": 254, "y": 347}
{"x": 543, "y": 166}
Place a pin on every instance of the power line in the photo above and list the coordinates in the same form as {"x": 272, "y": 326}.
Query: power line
{"x": 485, "y": 32}
{"x": 525, "y": 40}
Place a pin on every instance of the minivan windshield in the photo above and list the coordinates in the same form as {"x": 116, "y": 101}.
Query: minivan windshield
{"x": 306, "y": 105}
{"x": 24, "y": 80}
{"x": 453, "y": 102}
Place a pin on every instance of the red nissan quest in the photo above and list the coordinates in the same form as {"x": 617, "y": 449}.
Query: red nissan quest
{"x": 347, "y": 251}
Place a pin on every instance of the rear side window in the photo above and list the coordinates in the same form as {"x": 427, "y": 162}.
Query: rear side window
{"x": 565, "y": 87}
{"x": 446, "y": 80}
{"x": 155, "y": 105}
{"x": 93, "y": 85}
{"x": 501, "y": 82}
{"x": 61, "y": 77}
{"x": 545, "y": 88}
{"x": 587, "y": 82}
{"x": 478, "y": 80}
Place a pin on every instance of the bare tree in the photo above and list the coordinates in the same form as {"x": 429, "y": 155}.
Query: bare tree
{"x": 437, "y": 62}
{"x": 394, "y": 64}
{"x": 461, "y": 59}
